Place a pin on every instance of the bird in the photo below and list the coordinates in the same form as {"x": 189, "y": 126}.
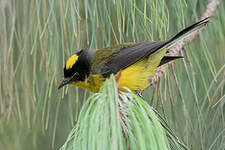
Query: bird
{"x": 135, "y": 62}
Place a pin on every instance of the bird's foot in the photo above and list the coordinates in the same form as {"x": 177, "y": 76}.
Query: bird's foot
{"x": 139, "y": 93}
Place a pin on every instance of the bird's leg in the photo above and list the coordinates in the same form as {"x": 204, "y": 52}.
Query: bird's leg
{"x": 117, "y": 78}
{"x": 139, "y": 93}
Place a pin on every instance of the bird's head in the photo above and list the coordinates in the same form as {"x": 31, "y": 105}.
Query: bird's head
{"x": 76, "y": 69}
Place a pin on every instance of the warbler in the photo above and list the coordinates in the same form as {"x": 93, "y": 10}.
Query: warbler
{"x": 136, "y": 63}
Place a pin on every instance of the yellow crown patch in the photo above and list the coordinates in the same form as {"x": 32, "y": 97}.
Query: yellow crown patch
{"x": 71, "y": 61}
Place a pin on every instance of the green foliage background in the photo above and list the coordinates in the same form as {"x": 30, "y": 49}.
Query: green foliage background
{"x": 36, "y": 37}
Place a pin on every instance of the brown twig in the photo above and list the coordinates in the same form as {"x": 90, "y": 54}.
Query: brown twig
{"x": 209, "y": 12}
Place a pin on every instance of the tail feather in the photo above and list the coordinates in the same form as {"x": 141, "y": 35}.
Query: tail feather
{"x": 180, "y": 36}
{"x": 186, "y": 32}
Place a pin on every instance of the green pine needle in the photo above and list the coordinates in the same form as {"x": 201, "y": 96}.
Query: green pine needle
{"x": 109, "y": 120}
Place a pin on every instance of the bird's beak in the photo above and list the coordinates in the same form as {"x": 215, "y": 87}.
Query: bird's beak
{"x": 63, "y": 83}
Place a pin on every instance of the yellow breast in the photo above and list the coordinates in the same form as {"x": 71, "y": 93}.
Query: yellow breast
{"x": 92, "y": 83}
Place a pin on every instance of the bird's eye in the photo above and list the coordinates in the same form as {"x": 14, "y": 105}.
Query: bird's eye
{"x": 74, "y": 77}
{"x": 75, "y": 74}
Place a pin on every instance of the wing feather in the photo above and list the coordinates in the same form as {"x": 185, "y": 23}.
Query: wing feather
{"x": 125, "y": 56}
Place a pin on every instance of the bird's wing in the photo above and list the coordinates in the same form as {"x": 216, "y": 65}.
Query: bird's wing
{"x": 111, "y": 60}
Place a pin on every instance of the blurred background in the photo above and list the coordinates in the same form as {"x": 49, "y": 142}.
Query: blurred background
{"x": 36, "y": 37}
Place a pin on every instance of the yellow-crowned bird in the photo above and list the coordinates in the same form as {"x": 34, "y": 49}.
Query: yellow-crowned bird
{"x": 136, "y": 62}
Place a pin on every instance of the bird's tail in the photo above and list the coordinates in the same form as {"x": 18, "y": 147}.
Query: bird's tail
{"x": 185, "y": 32}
